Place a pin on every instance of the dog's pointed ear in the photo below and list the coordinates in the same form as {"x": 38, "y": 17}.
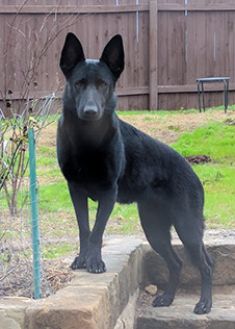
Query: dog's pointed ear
{"x": 72, "y": 53}
{"x": 113, "y": 55}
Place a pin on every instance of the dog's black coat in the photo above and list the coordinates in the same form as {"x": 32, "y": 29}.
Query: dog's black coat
{"x": 108, "y": 160}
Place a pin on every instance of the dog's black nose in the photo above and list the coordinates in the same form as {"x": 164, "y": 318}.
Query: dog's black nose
{"x": 90, "y": 110}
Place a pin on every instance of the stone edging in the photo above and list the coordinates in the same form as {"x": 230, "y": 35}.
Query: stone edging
{"x": 90, "y": 301}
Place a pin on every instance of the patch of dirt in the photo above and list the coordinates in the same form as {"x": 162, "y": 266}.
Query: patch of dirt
{"x": 198, "y": 159}
{"x": 230, "y": 122}
{"x": 48, "y": 135}
{"x": 169, "y": 127}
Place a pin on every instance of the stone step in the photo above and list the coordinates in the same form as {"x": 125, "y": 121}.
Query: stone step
{"x": 223, "y": 256}
{"x": 180, "y": 314}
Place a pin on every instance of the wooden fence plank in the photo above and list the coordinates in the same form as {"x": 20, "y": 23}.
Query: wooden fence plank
{"x": 197, "y": 6}
{"x": 58, "y": 94}
{"x": 153, "y": 61}
{"x": 79, "y": 9}
{"x": 193, "y": 88}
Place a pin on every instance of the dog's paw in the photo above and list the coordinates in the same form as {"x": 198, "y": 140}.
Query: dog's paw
{"x": 78, "y": 263}
{"x": 203, "y": 307}
{"x": 162, "y": 300}
{"x": 95, "y": 265}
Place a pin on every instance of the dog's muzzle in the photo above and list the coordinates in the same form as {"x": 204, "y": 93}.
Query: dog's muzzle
{"x": 91, "y": 113}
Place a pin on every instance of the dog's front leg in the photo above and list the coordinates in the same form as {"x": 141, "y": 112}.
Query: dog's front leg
{"x": 79, "y": 199}
{"x": 95, "y": 263}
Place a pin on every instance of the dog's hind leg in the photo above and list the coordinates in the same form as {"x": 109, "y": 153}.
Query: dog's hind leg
{"x": 157, "y": 231}
{"x": 207, "y": 256}
{"x": 191, "y": 234}
{"x": 79, "y": 200}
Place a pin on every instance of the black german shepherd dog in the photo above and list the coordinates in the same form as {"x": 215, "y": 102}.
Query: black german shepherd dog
{"x": 108, "y": 160}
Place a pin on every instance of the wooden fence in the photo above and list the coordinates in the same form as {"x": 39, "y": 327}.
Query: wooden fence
{"x": 168, "y": 45}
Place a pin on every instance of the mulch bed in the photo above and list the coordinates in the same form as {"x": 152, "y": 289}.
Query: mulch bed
{"x": 16, "y": 279}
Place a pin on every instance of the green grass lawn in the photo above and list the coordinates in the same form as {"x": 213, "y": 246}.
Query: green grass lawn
{"x": 218, "y": 177}
{"x": 216, "y": 139}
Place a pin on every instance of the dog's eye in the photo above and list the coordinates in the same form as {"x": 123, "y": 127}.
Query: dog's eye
{"x": 80, "y": 83}
{"x": 101, "y": 83}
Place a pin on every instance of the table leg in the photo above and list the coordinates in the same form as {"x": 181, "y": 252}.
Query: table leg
{"x": 203, "y": 98}
{"x": 199, "y": 96}
{"x": 226, "y": 88}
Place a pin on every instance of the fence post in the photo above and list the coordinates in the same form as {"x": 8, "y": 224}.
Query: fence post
{"x": 153, "y": 60}
{"x": 34, "y": 216}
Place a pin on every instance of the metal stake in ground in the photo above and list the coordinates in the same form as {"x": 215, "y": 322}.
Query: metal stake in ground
{"x": 34, "y": 216}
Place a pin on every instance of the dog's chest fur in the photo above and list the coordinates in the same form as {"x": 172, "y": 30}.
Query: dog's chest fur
{"x": 92, "y": 167}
